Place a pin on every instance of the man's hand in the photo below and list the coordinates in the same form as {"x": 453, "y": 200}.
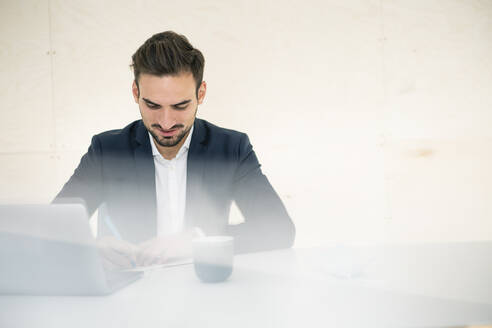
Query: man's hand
{"x": 160, "y": 250}
{"x": 117, "y": 254}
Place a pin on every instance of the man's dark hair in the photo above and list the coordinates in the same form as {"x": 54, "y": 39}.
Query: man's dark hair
{"x": 168, "y": 53}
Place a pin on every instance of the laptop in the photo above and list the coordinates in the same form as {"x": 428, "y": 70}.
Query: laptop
{"x": 50, "y": 250}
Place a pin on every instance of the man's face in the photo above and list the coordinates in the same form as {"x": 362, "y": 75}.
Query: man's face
{"x": 168, "y": 106}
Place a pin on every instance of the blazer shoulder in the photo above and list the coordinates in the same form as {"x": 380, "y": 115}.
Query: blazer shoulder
{"x": 119, "y": 137}
{"x": 217, "y": 134}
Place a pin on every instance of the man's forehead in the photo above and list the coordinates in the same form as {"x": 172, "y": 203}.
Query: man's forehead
{"x": 168, "y": 89}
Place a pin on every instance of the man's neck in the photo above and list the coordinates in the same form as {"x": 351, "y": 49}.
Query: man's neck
{"x": 170, "y": 152}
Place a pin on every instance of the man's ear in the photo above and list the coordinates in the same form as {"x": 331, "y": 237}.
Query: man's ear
{"x": 201, "y": 92}
{"x": 135, "y": 91}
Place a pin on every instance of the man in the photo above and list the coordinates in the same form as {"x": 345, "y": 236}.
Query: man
{"x": 163, "y": 175}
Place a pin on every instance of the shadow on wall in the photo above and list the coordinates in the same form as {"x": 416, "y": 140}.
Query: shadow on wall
{"x": 439, "y": 189}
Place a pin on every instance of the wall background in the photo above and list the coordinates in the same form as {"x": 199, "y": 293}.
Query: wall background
{"x": 371, "y": 118}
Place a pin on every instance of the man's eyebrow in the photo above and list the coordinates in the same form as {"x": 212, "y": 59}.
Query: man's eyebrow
{"x": 150, "y": 102}
{"x": 184, "y": 102}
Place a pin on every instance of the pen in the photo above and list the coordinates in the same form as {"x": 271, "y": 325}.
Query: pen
{"x": 114, "y": 232}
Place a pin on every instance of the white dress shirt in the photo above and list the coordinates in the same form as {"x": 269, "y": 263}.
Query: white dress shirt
{"x": 170, "y": 187}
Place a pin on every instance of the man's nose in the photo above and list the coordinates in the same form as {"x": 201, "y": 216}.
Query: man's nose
{"x": 166, "y": 119}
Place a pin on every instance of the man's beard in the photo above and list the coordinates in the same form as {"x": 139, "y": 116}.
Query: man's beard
{"x": 169, "y": 141}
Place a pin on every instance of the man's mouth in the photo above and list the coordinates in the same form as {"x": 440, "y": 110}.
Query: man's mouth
{"x": 167, "y": 133}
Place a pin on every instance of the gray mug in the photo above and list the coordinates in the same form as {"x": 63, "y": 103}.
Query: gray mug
{"x": 213, "y": 257}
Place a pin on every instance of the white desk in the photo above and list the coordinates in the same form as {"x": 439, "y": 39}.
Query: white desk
{"x": 288, "y": 288}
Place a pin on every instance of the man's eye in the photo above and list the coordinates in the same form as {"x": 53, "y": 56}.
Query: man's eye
{"x": 181, "y": 107}
{"x": 152, "y": 106}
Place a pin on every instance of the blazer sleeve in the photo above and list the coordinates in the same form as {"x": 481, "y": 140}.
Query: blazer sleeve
{"x": 267, "y": 224}
{"x": 86, "y": 183}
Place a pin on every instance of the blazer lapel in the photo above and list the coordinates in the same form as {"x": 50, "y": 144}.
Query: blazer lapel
{"x": 194, "y": 172}
{"x": 144, "y": 163}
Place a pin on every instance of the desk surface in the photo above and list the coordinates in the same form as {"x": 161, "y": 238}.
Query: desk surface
{"x": 288, "y": 288}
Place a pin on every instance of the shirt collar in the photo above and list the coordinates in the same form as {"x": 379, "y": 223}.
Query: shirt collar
{"x": 184, "y": 148}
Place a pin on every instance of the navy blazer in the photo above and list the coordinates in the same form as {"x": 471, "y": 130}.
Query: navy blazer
{"x": 118, "y": 170}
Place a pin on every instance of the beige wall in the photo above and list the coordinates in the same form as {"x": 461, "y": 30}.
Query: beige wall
{"x": 371, "y": 118}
